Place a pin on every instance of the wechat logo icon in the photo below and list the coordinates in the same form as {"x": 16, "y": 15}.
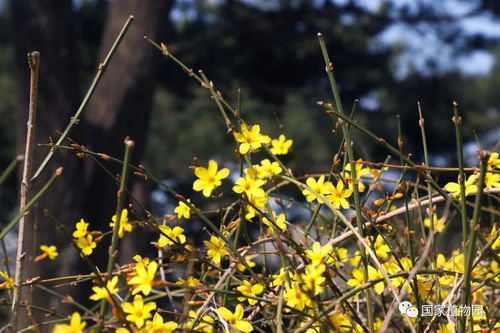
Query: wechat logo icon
{"x": 408, "y": 309}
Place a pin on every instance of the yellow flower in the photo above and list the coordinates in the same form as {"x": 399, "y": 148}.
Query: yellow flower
{"x": 380, "y": 247}
{"x": 215, "y": 249}
{"x": 376, "y": 172}
{"x": 424, "y": 287}
{"x": 338, "y": 257}
{"x": 8, "y": 283}
{"x": 281, "y": 146}
{"x": 209, "y": 179}
{"x": 122, "y": 330}
{"x": 341, "y": 254}
{"x": 138, "y": 311}
{"x": 360, "y": 171}
{"x": 102, "y": 293}
{"x": 234, "y": 319}
{"x": 250, "y": 185}
{"x": 257, "y": 201}
{"x": 340, "y": 321}
{"x": 492, "y": 180}
{"x": 494, "y": 161}
{"x": 189, "y": 281}
{"x": 315, "y": 327}
{"x": 251, "y": 139}
{"x": 75, "y": 325}
{"x": 48, "y": 252}
{"x": 296, "y": 297}
{"x": 183, "y": 210}
{"x": 393, "y": 267}
{"x": 250, "y": 290}
{"x": 377, "y": 325}
{"x": 496, "y": 242}
{"x": 446, "y": 328}
{"x": 278, "y": 279}
{"x": 317, "y": 253}
{"x": 454, "y": 188}
{"x": 51, "y": 251}
{"x": 313, "y": 278}
{"x": 267, "y": 169}
{"x": 338, "y": 196}
{"x": 86, "y": 244}
{"x": 374, "y": 274}
{"x": 81, "y": 229}
{"x": 358, "y": 278}
{"x": 279, "y": 220}
{"x": 320, "y": 187}
{"x": 248, "y": 261}
{"x": 456, "y": 262}
{"x": 144, "y": 278}
{"x": 356, "y": 258}
{"x": 138, "y": 259}
{"x": 158, "y": 326}
{"x": 438, "y": 224}
{"x": 174, "y": 235}
{"x": 124, "y": 225}
{"x": 205, "y": 324}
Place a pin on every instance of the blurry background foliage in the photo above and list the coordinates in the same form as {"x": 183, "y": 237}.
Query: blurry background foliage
{"x": 386, "y": 54}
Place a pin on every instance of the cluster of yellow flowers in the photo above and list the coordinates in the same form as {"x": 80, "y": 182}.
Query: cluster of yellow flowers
{"x": 315, "y": 270}
{"x": 312, "y": 253}
{"x": 491, "y": 180}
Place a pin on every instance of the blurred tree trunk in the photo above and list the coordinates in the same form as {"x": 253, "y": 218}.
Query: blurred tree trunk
{"x": 46, "y": 27}
{"x": 120, "y": 107}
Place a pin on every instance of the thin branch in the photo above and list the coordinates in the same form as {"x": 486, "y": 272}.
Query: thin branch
{"x": 412, "y": 206}
{"x": 10, "y": 168}
{"x": 76, "y": 117}
{"x": 25, "y": 223}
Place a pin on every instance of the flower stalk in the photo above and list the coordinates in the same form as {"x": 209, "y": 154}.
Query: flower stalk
{"x": 350, "y": 155}
{"x": 26, "y": 222}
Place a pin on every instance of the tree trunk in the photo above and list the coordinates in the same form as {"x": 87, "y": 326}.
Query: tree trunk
{"x": 46, "y": 27}
{"x": 122, "y": 104}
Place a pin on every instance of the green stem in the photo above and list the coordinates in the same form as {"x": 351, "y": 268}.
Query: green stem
{"x": 408, "y": 220}
{"x": 392, "y": 149}
{"x": 470, "y": 249}
{"x": 350, "y": 154}
{"x": 210, "y": 86}
{"x": 10, "y": 168}
{"x": 76, "y": 117}
{"x": 120, "y": 203}
{"x": 30, "y": 204}
{"x": 457, "y": 121}
{"x": 426, "y": 160}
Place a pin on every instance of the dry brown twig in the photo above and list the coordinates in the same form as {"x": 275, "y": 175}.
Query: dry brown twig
{"x": 25, "y": 223}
